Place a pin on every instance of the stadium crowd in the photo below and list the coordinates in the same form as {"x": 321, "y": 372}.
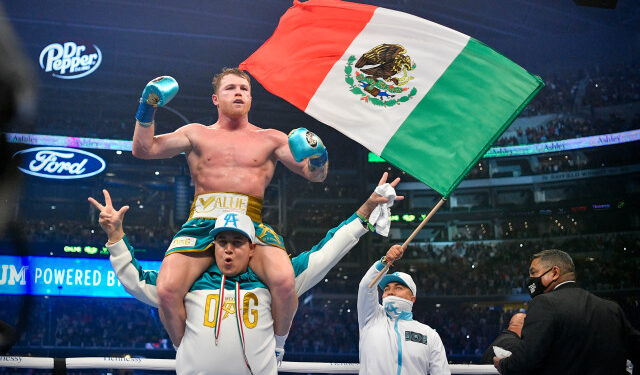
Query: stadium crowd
{"x": 568, "y": 127}
{"x": 590, "y": 88}
{"x": 75, "y": 233}
{"x": 604, "y": 263}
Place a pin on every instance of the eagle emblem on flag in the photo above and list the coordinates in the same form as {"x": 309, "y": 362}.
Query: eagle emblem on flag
{"x": 380, "y": 75}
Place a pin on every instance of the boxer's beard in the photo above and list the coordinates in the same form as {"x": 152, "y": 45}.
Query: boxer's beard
{"x": 397, "y": 307}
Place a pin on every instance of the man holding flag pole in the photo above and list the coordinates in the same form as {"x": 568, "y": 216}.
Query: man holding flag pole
{"x": 391, "y": 341}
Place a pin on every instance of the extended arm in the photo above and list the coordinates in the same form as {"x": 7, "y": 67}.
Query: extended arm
{"x": 368, "y": 304}
{"x": 137, "y": 282}
{"x": 311, "y": 266}
{"x": 146, "y": 145}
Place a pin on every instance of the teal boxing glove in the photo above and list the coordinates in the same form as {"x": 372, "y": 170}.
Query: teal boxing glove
{"x": 158, "y": 92}
{"x": 304, "y": 144}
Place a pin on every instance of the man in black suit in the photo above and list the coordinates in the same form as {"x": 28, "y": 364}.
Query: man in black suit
{"x": 567, "y": 329}
{"x": 508, "y": 339}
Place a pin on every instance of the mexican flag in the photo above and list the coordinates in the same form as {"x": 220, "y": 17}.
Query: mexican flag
{"x": 428, "y": 99}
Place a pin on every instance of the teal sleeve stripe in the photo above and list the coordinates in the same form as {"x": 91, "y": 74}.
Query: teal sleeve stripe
{"x": 395, "y": 327}
{"x": 148, "y": 277}
{"x": 301, "y": 261}
{"x": 379, "y": 266}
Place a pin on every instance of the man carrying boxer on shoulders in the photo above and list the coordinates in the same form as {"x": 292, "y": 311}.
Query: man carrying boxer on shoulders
{"x": 231, "y": 163}
{"x": 230, "y": 329}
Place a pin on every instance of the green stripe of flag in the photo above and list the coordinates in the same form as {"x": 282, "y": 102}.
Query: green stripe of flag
{"x": 466, "y": 110}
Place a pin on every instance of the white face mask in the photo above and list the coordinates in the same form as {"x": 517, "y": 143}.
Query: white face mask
{"x": 397, "y": 307}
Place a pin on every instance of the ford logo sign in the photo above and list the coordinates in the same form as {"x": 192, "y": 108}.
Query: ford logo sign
{"x": 60, "y": 162}
{"x": 70, "y": 60}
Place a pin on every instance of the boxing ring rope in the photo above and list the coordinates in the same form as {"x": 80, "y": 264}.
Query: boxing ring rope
{"x": 170, "y": 365}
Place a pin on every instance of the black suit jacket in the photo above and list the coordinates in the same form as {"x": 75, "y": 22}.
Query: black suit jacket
{"x": 571, "y": 331}
{"x": 508, "y": 340}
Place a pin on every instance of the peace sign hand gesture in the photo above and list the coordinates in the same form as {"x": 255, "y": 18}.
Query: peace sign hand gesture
{"x": 110, "y": 220}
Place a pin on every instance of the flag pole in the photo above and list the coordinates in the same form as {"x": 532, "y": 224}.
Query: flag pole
{"x": 406, "y": 243}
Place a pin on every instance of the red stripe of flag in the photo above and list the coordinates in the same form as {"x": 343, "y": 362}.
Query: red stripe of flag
{"x": 301, "y": 37}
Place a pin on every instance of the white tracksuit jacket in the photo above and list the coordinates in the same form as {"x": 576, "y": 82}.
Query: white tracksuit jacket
{"x": 198, "y": 352}
{"x": 399, "y": 346}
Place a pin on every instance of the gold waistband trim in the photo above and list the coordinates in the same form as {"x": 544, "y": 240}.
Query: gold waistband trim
{"x": 212, "y": 205}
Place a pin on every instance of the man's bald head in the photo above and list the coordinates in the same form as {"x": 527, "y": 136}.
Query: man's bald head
{"x": 516, "y": 323}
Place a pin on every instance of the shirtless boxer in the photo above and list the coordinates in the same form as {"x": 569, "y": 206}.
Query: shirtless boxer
{"x": 231, "y": 163}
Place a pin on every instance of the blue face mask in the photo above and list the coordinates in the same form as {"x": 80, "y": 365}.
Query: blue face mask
{"x": 397, "y": 307}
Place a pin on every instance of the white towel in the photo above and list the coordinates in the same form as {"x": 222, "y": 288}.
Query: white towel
{"x": 381, "y": 215}
{"x": 500, "y": 352}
